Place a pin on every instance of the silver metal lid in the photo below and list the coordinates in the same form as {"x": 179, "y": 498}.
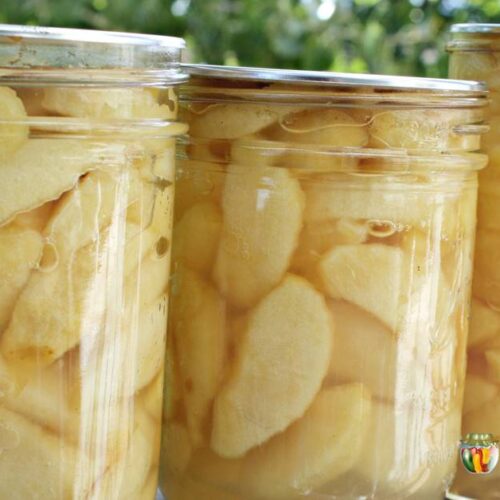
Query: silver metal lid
{"x": 75, "y": 56}
{"x": 17, "y": 33}
{"x": 331, "y": 79}
{"x": 475, "y": 28}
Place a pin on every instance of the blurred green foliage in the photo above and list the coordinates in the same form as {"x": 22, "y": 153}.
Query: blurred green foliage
{"x": 378, "y": 36}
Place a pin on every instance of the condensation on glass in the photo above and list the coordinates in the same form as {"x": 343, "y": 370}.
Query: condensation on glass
{"x": 87, "y": 127}
{"x": 323, "y": 234}
{"x": 475, "y": 54}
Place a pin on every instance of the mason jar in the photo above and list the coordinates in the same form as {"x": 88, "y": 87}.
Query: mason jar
{"x": 323, "y": 235}
{"x": 475, "y": 54}
{"x": 87, "y": 128}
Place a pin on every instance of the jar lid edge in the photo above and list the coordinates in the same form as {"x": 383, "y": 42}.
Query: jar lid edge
{"x": 327, "y": 78}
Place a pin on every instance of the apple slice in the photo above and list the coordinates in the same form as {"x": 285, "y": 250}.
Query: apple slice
{"x": 330, "y": 127}
{"x": 198, "y": 326}
{"x": 325, "y": 443}
{"x": 35, "y": 219}
{"x": 262, "y": 210}
{"x": 43, "y": 169}
{"x": 231, "y": 121}
{"x": 369, "y": 276}
{"x": 37, "y": 464}
{"x": 364, "y": 350}
{"x": 389, "y": 200}
{"x": 151, "y": 397}
{"x": 62, "y": 305}
{"x": 196, "y": 237}
{"x": 14, "y": 130}
{"x": 317, "y": 238}
{"x": 280, "y": 364}
{"x": 429, "y": 129}
{"x": 102, "y": 104}
{"x": 197, "y": 181}
{"x": 20, "y": 253}
{"x": 126, "y": 477}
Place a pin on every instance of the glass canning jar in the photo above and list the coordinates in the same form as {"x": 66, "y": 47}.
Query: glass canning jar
{"x": 475, "y": 54}
{"x": 323, "y": 234}
{"x": 87, "y": 127}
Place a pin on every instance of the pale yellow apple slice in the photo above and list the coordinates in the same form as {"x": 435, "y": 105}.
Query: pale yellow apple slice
{"x": 132, "y": 331}
{"x": 388, "y": 200}
{"x": 43, "y": 169}
{"x": 369, "y": 276}
{"x": 196, "y": 237}
{"x": 151, "y": 335}
{"x": 319, "y": 447}
{"x": 482, "y": 66}
{"x": 364, "y": 350}
{"x": 428, "y": 129}
{"x": 197, "y": 181}
{"x": 37, "y": 464}
{"x": 62, "y": 305}
{"x": 66, "y": 402}
{"x": 331, "y": 127}
{"x": 125, "y": 478}
{"x": 98, "y": 200}
{"x": 35, "y": 219}
{"x": 325, "y": 443}
{"x": 102, "y": 104}
{"x": 262, "y": 213}
{"x": 280, "y": 363}
{"x": 20, "y": 253}
{"x": 230, "y": 121}
{"x": 151, "y": 397}
{"x": 317, "y": 238}
{"x": 198, "y": 326}
{"x": 14, "y": 129}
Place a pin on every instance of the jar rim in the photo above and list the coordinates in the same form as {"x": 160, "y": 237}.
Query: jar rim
{"x": 333, "y": 79}
{"x": 472, "y": 37}
{"x": 38, "y": 56}
{"x": 475, "y": 28}
{"x": 405, "y": 161}
{"x": 43, "y": 34}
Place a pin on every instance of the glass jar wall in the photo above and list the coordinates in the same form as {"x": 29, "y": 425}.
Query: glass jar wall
{"x": 323, "y": 236}
{"x": 87, "y": 127}
{"x": 475, "y": 54}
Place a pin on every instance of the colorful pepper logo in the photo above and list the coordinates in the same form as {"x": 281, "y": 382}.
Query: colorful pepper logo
{"x": 479, "y": 453}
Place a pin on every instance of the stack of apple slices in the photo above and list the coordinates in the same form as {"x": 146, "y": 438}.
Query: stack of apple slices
{"x": 85, "y": 223}
{"x": 317, "y": 315}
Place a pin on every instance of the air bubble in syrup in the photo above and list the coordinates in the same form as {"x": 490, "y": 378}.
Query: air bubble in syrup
{"x": 381, "y": 228}
{"x": 162, "y": 247}
{"x": 50, "y": 258}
